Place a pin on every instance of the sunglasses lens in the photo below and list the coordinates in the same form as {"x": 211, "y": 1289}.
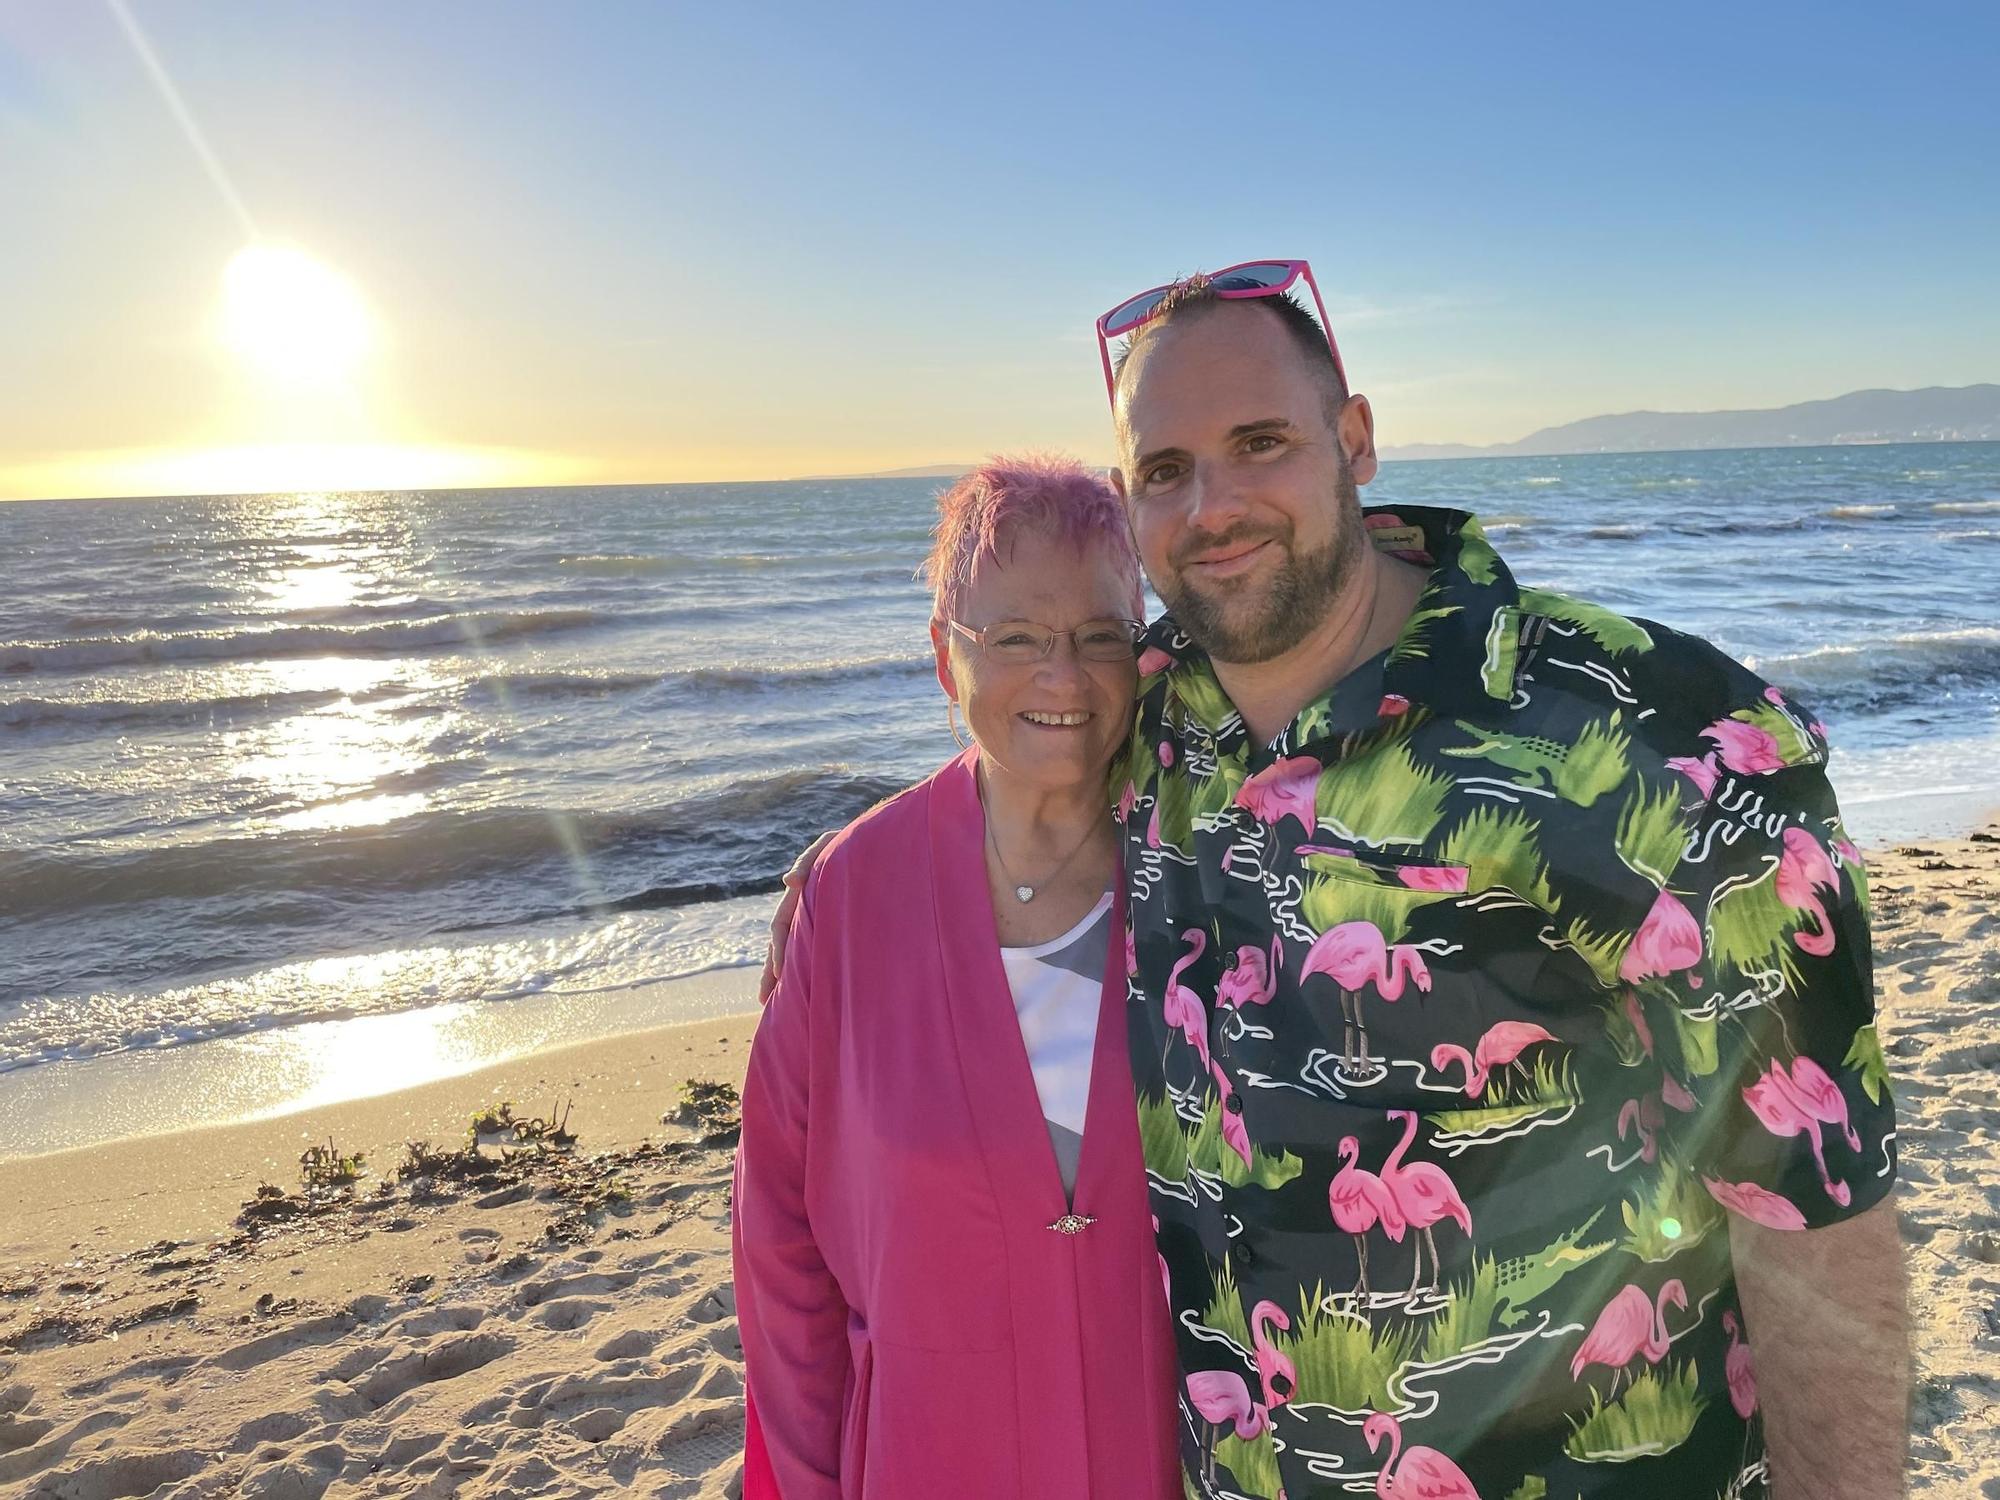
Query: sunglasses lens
{"x": 1129, "y": 315}
{"x": 1263, "y": 275}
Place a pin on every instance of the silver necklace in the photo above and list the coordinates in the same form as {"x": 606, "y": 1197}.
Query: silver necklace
{"x": 1026, "y": 893}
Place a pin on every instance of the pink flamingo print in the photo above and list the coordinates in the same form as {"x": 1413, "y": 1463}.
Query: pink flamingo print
{"x": 1224, "y": 1401}
{"x": 1799, "y": 1102}
{"x": 1166, "y": 1276}
{"x": 1235, "y": 1134}
{"x": 1744, "y": 747}
{"x": 1667, "y": 941}
{"x": 1703, "y": 772}
{"x": 1739, "y": 1371}
{"x": 1359, "y": 1202}
{"x": 1182, "y": 1008}
{"x": 1423, "y": 1195}
{"x": 1674, "y": 1094}
{"x": 1287, "y": 788}
{"x": 1253, "y": 980}
{"x": 1276, "y": 1372}
{"x": 1757, "y": 1204}
{"x": 1804, "y": 869}
{"x": 1355, "y": 954}
{"x": 1414, "y": 1473}
{"x": 1631, "y": 1325}
{"x": 1649, "y": 1117}
{"x": 1153, "y": 660}
{"x": 1503, "y": 1042}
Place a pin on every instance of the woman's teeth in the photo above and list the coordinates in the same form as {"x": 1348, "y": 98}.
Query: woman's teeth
{"x": 1065, "y": 721}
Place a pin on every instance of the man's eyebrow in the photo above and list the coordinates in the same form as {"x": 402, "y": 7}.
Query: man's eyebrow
{"x": 1240, "y": 430}
{"x": 1267, "y": 424}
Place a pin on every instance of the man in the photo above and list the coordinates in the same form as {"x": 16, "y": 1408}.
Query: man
{"x": 1500, "y": 994}
{"x": 1501, "y": 1002}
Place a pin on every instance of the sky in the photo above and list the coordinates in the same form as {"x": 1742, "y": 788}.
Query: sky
{"x": 381, "y": 245}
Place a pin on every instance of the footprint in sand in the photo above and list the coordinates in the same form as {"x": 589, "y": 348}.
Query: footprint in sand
{"x": 633, "y": 1343}
{"x": 448, "y": 1361}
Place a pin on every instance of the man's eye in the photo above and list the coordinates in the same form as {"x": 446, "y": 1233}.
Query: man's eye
{"x": 1262, "y": 442}
{"x": 1163, "y": 474}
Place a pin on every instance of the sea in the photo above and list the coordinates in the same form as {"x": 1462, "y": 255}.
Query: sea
{"x": 268, "y": 761}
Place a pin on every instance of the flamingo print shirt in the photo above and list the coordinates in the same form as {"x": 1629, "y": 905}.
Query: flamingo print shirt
{"x": 1461, "y": 1015}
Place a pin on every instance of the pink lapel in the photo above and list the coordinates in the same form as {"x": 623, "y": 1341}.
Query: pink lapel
{"x": 1000, "y": 1088}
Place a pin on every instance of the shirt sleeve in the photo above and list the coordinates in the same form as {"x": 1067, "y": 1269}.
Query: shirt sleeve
{"x": 790, "y": 1311}
{"x": 1774, "y": 1075}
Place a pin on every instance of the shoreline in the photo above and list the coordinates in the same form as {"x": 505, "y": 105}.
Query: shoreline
{"x": 285, "y": 1070}
{"x": 563, "y": 1321}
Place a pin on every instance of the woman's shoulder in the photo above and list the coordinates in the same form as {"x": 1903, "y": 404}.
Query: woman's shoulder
{"x": 890, "y": 831}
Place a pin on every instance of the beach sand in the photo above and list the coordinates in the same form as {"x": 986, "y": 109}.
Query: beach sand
{"x": 561, "y": 1322}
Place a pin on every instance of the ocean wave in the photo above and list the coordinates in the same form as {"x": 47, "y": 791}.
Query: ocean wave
{"x": 1616, "y": 533}
{"x": 264, "y": 643}
{"x": 619, "y": 564}
{"x": 1737, "y": 527}
{"x": 1890, "y": 672}
{"x": 1965, "y": 507}
{"x": 37, "y": 713}
{"x": 564, "y": 958}
{"x": 519, "y": 687}
{"x": 1859, "y": 512}
{"x": 732, "y": 842}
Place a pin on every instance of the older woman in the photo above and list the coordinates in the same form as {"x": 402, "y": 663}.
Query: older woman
{"x": 945, "y": 1270}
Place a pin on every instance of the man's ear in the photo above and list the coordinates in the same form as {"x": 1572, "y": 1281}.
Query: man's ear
{"x": 1356, "y": 431}
{"x": 1117, "y": 477}
{"x": 941, "y": 647}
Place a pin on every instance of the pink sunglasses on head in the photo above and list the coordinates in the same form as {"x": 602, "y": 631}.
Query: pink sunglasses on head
{"x": 1253, "y": 278}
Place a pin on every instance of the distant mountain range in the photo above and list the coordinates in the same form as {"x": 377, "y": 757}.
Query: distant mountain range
{"x": 1936, "y": 414}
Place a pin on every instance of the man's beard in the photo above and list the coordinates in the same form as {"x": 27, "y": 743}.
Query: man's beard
{"x": 1268, "y": 620}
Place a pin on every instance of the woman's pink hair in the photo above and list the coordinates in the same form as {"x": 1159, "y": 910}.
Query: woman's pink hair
{"x": 1003, "y": 497}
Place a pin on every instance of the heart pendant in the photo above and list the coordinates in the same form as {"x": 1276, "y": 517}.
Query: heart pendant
{"x": 1024, "y": 894}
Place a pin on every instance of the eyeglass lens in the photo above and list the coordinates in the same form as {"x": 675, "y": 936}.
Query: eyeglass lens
{"x": 1096, "y": 640}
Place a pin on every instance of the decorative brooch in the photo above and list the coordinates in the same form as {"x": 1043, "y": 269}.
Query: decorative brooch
{"x": 1072, "y": 1223}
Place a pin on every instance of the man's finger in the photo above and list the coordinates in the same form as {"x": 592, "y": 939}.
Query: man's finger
{"x": 781, "y": 919}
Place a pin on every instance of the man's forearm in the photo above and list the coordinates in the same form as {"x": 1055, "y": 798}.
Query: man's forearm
{"x": 1829, "y": 1330}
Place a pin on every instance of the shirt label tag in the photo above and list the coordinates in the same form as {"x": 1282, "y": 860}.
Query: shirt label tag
{"x": 1397, "y": 538}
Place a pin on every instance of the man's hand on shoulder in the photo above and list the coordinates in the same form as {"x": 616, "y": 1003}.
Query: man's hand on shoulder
{"x": 781, "y": 919}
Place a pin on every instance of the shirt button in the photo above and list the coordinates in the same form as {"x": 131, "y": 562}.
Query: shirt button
{"x": 1234, "y": 1104}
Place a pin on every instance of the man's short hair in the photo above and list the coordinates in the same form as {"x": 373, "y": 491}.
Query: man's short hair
{"x": 1195, "y": 296}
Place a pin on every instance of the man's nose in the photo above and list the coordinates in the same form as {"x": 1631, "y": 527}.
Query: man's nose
{"x": 1218, "y": 501}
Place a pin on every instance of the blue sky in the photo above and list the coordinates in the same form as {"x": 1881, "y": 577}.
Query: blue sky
{"x": 659, "y": 242}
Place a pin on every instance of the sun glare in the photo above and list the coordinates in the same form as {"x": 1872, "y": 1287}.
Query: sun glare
{"x": 291, "y": 317}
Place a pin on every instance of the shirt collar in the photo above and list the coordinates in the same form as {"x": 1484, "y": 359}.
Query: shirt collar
{"x": 1455, "y": 656}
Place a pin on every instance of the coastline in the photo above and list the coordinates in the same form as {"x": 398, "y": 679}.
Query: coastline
{"x": 564, "y": 1323}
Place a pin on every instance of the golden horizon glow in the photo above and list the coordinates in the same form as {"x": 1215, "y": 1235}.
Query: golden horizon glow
{"x": 283, "y": 468}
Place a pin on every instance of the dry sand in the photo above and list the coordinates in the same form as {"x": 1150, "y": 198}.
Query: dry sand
{"x": 564, "y": 1324}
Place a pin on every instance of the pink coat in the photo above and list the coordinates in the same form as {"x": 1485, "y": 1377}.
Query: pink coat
{"x": 912, "y": 1326}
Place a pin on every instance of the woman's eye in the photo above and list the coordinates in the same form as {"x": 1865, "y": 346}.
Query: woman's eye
{"x": 1013, "y": 638}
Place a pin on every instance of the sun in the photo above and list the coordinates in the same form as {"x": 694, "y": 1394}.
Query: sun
{"x": 291, "y": 317}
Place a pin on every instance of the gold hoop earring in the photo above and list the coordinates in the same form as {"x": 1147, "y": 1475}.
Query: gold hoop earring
{"x": 951, "y": 721}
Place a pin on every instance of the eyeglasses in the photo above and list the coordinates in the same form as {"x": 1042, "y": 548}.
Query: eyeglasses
{"x": 1023, "y": 641}
{"x": 1254, "y": 278}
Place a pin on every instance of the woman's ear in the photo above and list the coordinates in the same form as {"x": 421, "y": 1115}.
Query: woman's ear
{"x": 941, "y": 647}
